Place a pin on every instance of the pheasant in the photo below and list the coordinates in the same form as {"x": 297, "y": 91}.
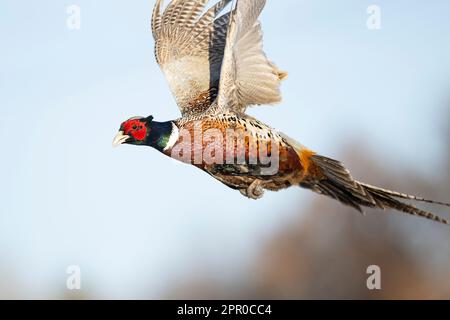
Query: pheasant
{"x": 216, "y": 68}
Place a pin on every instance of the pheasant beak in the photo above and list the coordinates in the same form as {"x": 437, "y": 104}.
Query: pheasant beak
{"x": 120, "y": 139}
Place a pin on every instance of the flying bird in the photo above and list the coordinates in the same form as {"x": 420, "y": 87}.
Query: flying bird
{"x": 216, "y": 68}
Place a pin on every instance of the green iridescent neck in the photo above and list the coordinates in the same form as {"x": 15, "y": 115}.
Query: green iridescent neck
{"x": 159, "y": 134}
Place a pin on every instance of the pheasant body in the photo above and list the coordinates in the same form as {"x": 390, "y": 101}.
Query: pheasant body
{"x": 237, "y": 131}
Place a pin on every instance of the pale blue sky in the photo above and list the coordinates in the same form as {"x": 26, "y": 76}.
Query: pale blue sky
{"x": 137, "y": 222}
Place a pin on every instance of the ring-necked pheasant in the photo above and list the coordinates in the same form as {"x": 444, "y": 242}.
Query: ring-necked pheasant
{"x": 216, "y": 68}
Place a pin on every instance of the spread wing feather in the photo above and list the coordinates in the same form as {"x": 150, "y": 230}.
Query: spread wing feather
{"x": 189, "y": 49}
{"x": 247, "y": 76}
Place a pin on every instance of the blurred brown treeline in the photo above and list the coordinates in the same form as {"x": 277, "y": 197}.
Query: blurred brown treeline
{"x": 324, "y": 254}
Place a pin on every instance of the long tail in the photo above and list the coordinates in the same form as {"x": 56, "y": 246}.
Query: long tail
{"x": 329, "y": 177}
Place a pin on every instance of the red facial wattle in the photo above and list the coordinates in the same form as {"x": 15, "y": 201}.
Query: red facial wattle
{"x": 135, "y": 128}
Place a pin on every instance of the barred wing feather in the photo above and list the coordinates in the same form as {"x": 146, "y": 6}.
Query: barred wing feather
{"x": 189, "y": 46}
{"x": 247, "y": 76}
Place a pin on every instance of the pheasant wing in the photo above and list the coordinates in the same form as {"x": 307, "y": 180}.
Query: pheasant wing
{"x": 247, "y": 76}
{"x": 189, "y": 46}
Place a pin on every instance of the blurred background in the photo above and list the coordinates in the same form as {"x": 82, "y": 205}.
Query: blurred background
{"x": 143, "y": 226}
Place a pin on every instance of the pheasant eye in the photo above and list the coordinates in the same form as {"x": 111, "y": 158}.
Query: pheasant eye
{"x": 134, "y": 127}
